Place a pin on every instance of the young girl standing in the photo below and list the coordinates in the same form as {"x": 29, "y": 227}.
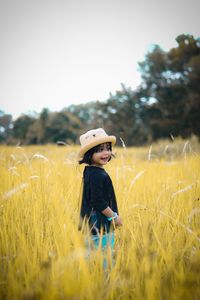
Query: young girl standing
{"x": 99, "y": 205}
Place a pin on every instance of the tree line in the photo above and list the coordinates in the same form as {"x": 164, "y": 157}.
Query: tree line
{"x": 166, "y": 103}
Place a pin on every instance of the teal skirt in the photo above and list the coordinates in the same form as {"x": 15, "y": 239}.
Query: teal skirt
{"x": 104, "y": 241}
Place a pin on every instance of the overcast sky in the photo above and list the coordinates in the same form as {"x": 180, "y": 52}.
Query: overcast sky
{"x": 57, "y": 52}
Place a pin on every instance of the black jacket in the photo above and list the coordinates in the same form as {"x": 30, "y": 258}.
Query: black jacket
{"x": 98, "y": 194}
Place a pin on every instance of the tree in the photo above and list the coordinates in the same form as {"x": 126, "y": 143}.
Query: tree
{"x": 171, "y": 79}
{"x": 43, "y": 121}
{"x": 120, "y": 115}
{"x": 63, "y": 126}
{"x": 5, "y": 126}
{"x": 21, "y": 126}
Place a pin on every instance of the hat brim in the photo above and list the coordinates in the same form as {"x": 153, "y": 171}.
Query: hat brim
{"x": 107, "y": 139}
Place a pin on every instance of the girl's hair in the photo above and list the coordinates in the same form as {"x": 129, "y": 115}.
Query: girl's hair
{"x": 87, "y": 159}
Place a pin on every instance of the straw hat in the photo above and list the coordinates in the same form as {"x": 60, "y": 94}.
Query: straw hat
{"x": 93, "y": 138}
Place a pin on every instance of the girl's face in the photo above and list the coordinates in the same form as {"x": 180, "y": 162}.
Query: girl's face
{"x": 102, "y": 156}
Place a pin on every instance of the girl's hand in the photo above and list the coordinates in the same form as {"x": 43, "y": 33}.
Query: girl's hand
{"x": 118, "y": 221}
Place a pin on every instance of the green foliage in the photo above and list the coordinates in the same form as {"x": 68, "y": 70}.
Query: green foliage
{"x": 21, "y": 126}
{"x": 172, "y": 79}
{"x": 5, "y": 126}
{"x": 62, "y": 126}
{"x": 49, "y": 127}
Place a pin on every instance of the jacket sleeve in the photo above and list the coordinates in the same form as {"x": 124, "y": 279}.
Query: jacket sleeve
{"x": 97, "y": 186}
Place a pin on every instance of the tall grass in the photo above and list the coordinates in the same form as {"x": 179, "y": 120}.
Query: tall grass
{"x": 43, "y": 255}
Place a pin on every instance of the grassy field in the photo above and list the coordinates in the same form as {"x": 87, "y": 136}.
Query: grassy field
{"x": 157, "y": 252}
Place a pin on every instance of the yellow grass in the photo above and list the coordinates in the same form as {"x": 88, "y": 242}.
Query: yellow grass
{"x": 43, "y": 255}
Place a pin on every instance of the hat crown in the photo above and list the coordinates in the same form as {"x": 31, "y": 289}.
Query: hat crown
{"x": 93, "y": 138}
{"x": 92, "y": 135}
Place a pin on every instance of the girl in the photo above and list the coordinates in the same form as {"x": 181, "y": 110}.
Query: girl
{"x": 99, "y": 205}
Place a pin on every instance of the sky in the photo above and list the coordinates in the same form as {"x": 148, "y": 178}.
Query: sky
{"x": 55, "y": 53}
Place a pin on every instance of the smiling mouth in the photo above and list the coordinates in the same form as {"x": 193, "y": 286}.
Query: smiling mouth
{"x": 105, "y": 158}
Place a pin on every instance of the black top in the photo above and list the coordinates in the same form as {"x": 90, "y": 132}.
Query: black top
{"x": 98, "y": 194}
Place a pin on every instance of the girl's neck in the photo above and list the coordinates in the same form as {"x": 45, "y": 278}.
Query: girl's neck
{"x": 98, "y": 166}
